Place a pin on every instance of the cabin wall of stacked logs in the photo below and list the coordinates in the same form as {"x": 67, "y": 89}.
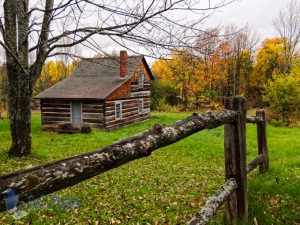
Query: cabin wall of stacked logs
{"x": 130, "y": 106}
{"x": 54, "y": 113}
{"x": 93, "y": 113}
{"x": 57, "y": 112}
{"x": 130, "y": 112}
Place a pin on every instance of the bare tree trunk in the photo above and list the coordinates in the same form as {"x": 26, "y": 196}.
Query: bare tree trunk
{"x": 19, "y": 102}
{"x": 19, "y": 83}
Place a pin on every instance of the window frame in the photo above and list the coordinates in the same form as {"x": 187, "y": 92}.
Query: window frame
{"x": 116, "y": 115}
{"x": 141, "y": 79}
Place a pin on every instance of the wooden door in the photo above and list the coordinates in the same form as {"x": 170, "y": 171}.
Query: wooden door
{"x": 76, "y": 113}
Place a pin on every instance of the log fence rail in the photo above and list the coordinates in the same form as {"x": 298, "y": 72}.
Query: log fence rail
{"x": 51, "y": 177}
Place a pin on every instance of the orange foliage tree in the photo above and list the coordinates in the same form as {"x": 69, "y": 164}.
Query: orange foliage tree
{"x": 180, "y": 72}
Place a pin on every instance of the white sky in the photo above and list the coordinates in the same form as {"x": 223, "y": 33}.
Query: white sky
{"x": 258, "y": 14}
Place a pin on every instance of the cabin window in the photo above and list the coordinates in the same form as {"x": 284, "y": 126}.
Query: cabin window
{"x": 141, "y": 105}
{"x": 118, "y": 110}
{"x": 141, "y": 80}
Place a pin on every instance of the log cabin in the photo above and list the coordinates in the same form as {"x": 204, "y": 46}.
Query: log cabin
{"x": 103, "y": 93}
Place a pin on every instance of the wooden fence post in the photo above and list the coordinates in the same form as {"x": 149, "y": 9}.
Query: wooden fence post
{"x": 262, "y": 140}
{"x": 235, "y": 161}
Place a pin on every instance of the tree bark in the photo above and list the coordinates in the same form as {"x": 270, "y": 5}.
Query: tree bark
{"x": 55, "y": 176}
{"x": 19, "y": 83}
{"x": 19, "y": 102}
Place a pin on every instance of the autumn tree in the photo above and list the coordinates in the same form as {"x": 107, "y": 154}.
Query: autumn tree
{"x": 206, "y": 46}
{"x": 180, "y": 72}
{"x": 53, "y": 72}
{"x": 220, "y": 64}
{"x": 37, "y": 27}
{"x": 227, "y": 62}
{"x": 269, "y": 60}
{"x": 239, "y": 52}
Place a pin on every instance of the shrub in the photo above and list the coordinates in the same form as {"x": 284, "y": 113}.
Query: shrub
{"x": 277, "y": 123}
{"x": 168, "y": 108}
{"x": 283, "y": 95}
{"x": 161, "y": 94}
{"x": 271, "y": 115}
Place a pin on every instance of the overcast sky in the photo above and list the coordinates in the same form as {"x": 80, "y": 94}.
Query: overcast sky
{"x": 258, "y": 14}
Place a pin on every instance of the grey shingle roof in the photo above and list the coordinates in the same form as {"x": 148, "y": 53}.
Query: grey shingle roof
{"x": 94, "y": 78}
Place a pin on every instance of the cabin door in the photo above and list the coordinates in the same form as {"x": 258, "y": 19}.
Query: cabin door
{"x": 76, "y": 113}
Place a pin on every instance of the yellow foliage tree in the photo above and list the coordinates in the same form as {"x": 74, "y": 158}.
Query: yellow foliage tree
{"x": 269, "y": 61}
{"x": 269, "y": 58}
{"x": 52, "y": 73}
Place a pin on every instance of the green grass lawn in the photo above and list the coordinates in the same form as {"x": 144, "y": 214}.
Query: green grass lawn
{"x": 167, "y": 187}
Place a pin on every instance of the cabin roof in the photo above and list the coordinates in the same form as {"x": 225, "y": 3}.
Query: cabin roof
{"x": 94, "y": 78}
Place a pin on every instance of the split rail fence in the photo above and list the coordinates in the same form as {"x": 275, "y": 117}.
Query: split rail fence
{"x": 51, "y": 177}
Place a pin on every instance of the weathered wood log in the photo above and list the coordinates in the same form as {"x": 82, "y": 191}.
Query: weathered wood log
{"x": 55, "y": 114}
{"x": 214, "y": 203}
{"x": 128, "y": 122}
{"x": 235, "y": 161}
{"x": 256, "y": 162}
{"x": 113, "y": 112}
{"x": 55, "y": 176}
{"x": 251, "y": 119}
{"x": 57, "y": 110}
{"x": 262, "y": 140}
{"x": 55, "y": 101}
{"x": 50, "y": 105}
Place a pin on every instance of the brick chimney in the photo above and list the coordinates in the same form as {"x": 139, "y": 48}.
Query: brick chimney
{"x": 123, "y": 64}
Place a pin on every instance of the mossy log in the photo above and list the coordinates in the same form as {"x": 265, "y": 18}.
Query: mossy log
{"x": 214, "y": 203}
{"x": 251, "y": 119}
